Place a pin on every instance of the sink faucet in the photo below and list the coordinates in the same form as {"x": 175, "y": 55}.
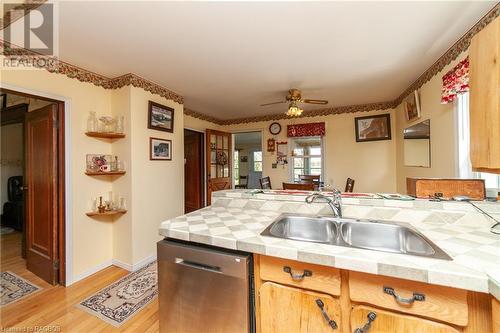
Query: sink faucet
{"x": 335, "y": 203}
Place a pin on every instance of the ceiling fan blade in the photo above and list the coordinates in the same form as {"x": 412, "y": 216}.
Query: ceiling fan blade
{"x": 314, "y": 101}
{"x": 266, "y": 104}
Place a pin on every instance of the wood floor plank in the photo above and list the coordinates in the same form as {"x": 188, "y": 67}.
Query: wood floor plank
{"x": 55, "y": 305}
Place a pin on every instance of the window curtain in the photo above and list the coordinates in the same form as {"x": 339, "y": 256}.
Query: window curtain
{"x": 455, "y": 82}
{"x": 311, "y": 129}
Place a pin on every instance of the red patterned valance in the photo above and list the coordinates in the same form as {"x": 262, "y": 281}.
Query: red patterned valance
{"x": 456, "y": 81}
{"x": 311, "y": 129}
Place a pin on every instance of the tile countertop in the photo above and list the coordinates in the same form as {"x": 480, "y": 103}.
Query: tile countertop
{"x": 236, "y": 219}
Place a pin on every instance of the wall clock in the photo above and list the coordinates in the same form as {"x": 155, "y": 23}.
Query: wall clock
{"x": 275, "y": 128}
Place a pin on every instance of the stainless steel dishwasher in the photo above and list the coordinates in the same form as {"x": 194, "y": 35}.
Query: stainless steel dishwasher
{"x": 204, "y": 289}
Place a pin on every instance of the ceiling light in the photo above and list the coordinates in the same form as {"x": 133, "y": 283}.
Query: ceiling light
{"x": 294, "y": 110}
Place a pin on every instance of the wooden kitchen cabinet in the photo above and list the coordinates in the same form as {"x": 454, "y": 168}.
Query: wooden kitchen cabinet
{"x": 484, "y": 59}
{"x": 289, "y": 309}
{"x": 391, "y": 322}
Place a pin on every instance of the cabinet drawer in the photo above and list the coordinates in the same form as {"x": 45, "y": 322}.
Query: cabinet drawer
{"x": 442, "y": 303}
{"x": 299, "y": 274}
{"x": 387, "y": 322}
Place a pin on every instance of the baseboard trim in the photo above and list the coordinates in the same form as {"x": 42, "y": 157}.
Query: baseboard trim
{"x": 114, "y": 262}
{"x": 90, "y": 271}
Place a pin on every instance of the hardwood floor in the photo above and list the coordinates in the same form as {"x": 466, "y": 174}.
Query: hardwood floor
{"x": 53, "y": 307}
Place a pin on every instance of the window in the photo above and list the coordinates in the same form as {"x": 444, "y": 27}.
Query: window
{"x": 464, "y": 164}
{"x": 236, "y": 159}
{"x": 307, "y": 157}
{"x": 257, "y": 161}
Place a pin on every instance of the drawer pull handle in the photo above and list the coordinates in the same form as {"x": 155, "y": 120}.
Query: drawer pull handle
{"x": 321, "y": 306}
{"x": 366, "y": 327}
{"x": 297, "y": 277}
{"x": 416, "y": 296}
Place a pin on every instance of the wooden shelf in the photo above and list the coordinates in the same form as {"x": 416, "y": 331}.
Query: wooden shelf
{"x": 108, "y": 213}
{"x": 111, "y": 173}
{"x": 107, "y": 135}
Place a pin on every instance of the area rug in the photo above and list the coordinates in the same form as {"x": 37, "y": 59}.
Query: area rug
{"x": 6, "y": 230}
{"x": 13, "y": 288}
{"x": 121, "y": 300}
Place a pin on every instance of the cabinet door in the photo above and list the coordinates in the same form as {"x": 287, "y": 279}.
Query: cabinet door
{"x": 288, "y": 309}
{"x": 390, "y": 322}
{"x": 484, "y": 55}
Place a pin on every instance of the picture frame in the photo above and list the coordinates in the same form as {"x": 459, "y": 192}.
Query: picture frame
{"x": 271, "y": 145}
{"x": 160, "y": 117}
{"x": 160, "y": 149}
{"x": 412, "y": 107}
{"x": 373, "y": 128}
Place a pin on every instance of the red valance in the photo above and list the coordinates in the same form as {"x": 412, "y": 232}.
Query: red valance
{"x": 456, "y": 81}
{"x": 311, "y": 129}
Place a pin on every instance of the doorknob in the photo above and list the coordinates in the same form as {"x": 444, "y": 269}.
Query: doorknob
{"x": 24, "y": 188}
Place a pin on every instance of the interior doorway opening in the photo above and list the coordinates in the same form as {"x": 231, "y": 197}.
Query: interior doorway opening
{"x": 32, "y": 187}
{"x": 248, "y": 160}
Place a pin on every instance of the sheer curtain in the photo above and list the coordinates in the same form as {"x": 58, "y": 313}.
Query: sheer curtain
{"x": 492, "y": 181}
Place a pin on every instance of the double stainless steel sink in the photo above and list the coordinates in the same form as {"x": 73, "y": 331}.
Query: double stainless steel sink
{"x": 363, "y": 234}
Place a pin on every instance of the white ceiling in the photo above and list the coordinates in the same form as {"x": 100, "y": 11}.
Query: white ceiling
{"x": 226, "y": 58}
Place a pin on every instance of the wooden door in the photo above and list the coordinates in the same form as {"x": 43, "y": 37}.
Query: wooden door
{"x": 288, "y": 309}
{"x": 391, "y": 322}
{"x": 41, "y": 184}
{"x": 193, "y": 170}
{"x": 219, "y": 162}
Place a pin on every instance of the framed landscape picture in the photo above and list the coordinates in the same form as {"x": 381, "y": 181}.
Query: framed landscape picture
{"x": 160, "y": 149}
{"x": 373, "y": 128}
{"x": 160, "y": 117}
{"x": 412, "y": 107}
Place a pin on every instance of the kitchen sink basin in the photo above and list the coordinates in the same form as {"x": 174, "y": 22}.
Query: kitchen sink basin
{"x": 310, "y": 229}
{"x": 363, "y": 234}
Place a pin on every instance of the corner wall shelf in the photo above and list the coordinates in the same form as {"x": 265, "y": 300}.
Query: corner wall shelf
{"x": 107, "y": 213}
{"x": 111, "y": 173}
{"x": 107, "y": 135}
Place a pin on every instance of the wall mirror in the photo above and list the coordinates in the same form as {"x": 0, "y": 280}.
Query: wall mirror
{"x": 417, "y": 145}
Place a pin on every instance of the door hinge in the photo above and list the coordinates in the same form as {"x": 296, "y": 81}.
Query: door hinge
{"x": 56, "y": 265}
{"x": 56, "y": 125}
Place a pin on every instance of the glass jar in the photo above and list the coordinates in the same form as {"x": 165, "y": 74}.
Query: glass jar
{"x": 92, "y": 122}
{"x": 120, "y": 124}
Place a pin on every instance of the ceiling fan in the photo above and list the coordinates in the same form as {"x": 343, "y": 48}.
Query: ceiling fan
{"x": 295, "y": 96}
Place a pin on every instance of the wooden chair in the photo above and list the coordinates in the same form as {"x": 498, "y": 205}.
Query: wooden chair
{"x": 299, "y": 186}
{"x": 265, "y": 183}
{"x": 309, "y": 179}
{"x": 243, "y": 182}
{"x": 349, "y": 185}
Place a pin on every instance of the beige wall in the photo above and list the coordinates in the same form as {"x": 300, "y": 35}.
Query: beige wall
{"x": 371, "y": 164}
{"x": 443, "y": 129}
{"x": 11, "y": 163}
{"x": 157, "y": 186}
{"x": 153, "y": 189}
{"x": 198, "y": 124}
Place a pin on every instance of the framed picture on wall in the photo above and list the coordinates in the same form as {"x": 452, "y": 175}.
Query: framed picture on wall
{"x": 160, "y": 149}
{"x": 412, "y": 107}
{"x": 373, "y": 128}
{"x": 160, "y": 117}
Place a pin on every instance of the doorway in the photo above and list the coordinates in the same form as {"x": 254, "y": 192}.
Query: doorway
{"x": 32, "y": 185}
{"x": 194, "y": 198}
{"x": 248, "y": 159}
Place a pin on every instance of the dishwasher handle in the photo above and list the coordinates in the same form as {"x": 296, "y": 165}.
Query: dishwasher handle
{"x": 197, "y": 265}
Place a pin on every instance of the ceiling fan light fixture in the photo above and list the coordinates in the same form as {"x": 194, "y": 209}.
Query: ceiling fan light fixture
{"x": 294, "y": 110}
